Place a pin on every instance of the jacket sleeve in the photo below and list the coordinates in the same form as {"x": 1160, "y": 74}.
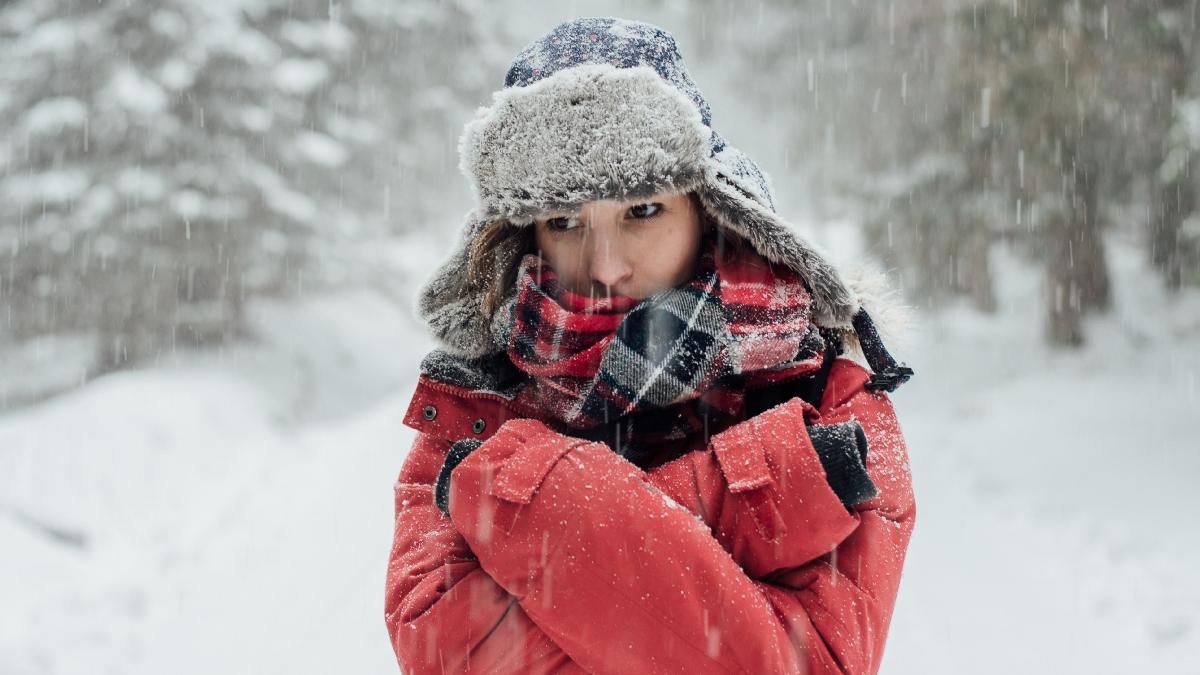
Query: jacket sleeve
{"x": 830, "y": 573}
{"x": 444, "y": 613}
{"x": 617, "y": 574}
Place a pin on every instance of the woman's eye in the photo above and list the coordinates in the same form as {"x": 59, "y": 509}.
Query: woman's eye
{"x": 645, "y": 210}
{"x": 560, "y": 224}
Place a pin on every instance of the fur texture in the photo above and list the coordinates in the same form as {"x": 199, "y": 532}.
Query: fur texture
{"x": 590, "y": 132}
{"x": 892, "y": 316}
{"x": 774, "y": 239}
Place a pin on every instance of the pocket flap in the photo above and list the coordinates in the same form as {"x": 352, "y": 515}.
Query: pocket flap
{"x": 742, "y": 460}
{"x": 522, "y": 473}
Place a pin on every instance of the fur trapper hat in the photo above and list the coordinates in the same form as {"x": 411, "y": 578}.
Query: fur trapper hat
{"x": 604, "y": 108}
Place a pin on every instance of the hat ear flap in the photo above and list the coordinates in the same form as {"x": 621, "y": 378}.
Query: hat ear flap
{"x": 444, "y": 303}
{"x": 833, "y": 302}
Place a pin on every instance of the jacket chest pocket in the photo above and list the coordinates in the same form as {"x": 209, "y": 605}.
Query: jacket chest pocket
{"x": 743, "y": 461}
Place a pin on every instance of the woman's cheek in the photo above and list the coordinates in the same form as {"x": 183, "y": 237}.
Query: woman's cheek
{"x": 573, "y": 272}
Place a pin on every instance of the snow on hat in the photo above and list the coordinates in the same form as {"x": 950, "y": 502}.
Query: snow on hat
{"x": 604, "y": 108}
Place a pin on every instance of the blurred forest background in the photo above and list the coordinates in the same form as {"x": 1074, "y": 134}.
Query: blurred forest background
{"x": 214, "y": 216}
{"x": 163, "y": 163}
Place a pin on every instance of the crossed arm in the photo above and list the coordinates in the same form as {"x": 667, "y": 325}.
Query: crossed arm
{"x": 560, "y": 556}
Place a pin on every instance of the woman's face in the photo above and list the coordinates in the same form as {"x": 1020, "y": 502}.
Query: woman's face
{"x": 633, "y": 248}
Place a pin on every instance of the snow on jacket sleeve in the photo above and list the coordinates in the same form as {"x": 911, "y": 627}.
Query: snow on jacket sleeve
{"x": 619, "y": 576}
{"x": 566, "y": 562}
{"x": 833, "y": 575}
{"x": 444, "y": 613}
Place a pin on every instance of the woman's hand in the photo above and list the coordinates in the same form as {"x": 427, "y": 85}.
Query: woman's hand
{"x": 842, "y": 447}
{"x": 454, "y": 456}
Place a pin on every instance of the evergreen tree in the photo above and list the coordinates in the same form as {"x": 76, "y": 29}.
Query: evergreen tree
{"x": 1169, "y": 29}
{"x": 164, "y": 161}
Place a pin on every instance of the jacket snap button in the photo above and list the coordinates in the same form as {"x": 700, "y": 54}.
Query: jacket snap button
{"x": 430, "y": 412}
{"x": 478, "y": 426}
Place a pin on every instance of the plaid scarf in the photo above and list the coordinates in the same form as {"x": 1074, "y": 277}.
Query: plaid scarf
{"x": 662, "y": 366}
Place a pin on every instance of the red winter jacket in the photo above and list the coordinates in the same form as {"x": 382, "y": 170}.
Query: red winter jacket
{"x": 561, "y": 556}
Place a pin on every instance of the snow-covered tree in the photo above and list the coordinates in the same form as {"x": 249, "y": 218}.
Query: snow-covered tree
{"x": 163, "y": 161}
{"x": 1170, "y": 30}
{"x": 947, "y": 127}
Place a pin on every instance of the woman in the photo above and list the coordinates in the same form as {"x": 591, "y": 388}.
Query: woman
{"x": 638, "y": 449}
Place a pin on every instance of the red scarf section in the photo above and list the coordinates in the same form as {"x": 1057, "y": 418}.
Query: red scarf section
{"x": 757, "y": 318}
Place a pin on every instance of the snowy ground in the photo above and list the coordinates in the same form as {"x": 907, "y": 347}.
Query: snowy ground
{"x": 232, "y": 513}
{"x": 1055, "y": 492}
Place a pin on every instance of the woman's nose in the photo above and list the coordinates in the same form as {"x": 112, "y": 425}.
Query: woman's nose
{"x": 609, "y": 265}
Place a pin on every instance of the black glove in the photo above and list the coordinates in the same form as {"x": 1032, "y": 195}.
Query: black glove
{"x": 457, "y": 453}
{"x": 842, "y": 448}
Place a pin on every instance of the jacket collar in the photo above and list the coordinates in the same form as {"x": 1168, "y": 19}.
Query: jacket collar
{"x": 452, "y": 412}
{"x": 459, "y": 397}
